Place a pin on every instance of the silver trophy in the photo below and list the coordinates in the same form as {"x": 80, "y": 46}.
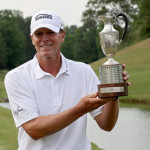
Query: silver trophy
{"x": 112, "y": 83}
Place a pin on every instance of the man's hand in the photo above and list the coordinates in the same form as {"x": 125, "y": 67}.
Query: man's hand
{"x": 125, "y": 75}
{"x": 92, "y": 102}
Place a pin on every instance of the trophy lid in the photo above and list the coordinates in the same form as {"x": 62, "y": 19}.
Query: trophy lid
{"x": 107, "y": 19}
{"x": 108, "y": 24}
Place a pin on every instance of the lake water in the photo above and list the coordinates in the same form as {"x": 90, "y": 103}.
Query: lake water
{"x": 132, "y": 131}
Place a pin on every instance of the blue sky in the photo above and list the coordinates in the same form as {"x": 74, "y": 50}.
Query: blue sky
{"x": 69, "y": 10}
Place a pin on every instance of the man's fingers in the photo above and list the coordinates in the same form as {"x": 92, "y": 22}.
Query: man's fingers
{"x": 123, "y": 65}
{"x": 128, "y": 83}
{"x": 125, "y": 78}
{"x": 124, "y": 73}
{"x": 101, "y": 100}
{"x": 94, "y": 95}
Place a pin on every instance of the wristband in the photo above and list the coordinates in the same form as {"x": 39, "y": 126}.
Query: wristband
{"x": 115, "y": 99}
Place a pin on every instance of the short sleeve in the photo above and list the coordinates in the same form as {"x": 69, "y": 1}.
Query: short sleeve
{"x": 22, "y": 101}
{"x": 92, "y": 83}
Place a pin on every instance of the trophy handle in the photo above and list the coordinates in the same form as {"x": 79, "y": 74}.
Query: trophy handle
{"x": 126, "y": 25}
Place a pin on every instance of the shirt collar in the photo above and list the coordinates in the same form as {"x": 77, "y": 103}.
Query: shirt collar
{"x": 39, "y": 73}
{"x": 64, "y": 66}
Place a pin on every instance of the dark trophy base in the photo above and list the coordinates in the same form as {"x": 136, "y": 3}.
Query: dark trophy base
{"x": 112, "y": 90}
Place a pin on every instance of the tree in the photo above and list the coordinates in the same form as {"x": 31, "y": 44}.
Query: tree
{"x": 29, "y": 48}
{"x": 90, "y": 36}
{"x": 85, "y": 48}
{"x": 96, "y": 8}
{"x": 3, "y": 52}
{"x": 80, "y": 45}
{"x": 67, "y": 47}
{"x": 142, "y": 22}
{"x": 14, "y": 38}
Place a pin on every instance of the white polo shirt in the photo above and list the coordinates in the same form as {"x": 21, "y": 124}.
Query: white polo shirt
{"x": 33, "y": 92}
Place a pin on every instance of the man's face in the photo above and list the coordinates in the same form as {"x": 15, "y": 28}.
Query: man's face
{"x": 47, "y": 43}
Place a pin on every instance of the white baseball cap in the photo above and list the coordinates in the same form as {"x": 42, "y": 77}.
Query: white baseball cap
{"x": 46, "y": 19}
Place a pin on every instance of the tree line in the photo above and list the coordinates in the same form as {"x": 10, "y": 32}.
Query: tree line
{"x": 81, "y": 43}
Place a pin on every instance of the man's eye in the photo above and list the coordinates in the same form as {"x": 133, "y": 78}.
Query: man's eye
{"x": 38, "y": 33}
{"x": 50, "y": 32}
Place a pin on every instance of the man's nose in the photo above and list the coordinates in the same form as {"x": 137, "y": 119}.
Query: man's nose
{"x": 45, "y": 38}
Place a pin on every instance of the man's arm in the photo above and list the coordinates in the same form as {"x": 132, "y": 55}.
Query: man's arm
{"x": 46, "y": 125}
{"x": 108, "y": 118}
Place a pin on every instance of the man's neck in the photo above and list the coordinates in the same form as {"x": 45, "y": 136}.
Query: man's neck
{"x": 50, "y": 65}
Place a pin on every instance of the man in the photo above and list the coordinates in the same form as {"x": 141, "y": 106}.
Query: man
{"x": 50, "y": 95}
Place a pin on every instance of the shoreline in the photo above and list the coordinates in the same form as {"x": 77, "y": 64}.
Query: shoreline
{"x": 135, "y": 101}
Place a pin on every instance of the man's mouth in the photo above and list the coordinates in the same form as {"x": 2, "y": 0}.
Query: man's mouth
{"x": 46, "y": 46}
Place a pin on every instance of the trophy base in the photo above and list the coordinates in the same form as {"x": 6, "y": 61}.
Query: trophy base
{"x": 112, "y": 90}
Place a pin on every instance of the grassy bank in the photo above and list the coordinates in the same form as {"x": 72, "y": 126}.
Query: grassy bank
{"x": 3, "y": 94}
{"x": 8, "y": 131}
{"x": 144, "y": 107}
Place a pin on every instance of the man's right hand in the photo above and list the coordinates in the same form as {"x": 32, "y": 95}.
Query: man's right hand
{"x": 91, "y": 102}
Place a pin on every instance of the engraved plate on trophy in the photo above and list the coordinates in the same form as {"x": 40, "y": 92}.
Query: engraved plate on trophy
{"x": 111, "y": 79}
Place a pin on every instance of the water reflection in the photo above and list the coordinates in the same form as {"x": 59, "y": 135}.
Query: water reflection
{"x": 5, "y": 105}
{"x": 132, "y": 131}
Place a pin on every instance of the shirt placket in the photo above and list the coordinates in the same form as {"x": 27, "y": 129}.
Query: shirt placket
{"x": 55, "y": 93}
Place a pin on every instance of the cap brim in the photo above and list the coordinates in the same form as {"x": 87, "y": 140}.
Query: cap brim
{"x": 49, "y": 26}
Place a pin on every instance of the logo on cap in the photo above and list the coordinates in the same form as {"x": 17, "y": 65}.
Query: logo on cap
{"x": 42, "y": 16}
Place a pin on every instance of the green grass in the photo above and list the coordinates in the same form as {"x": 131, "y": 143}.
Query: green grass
{"x": 94, "y": 147}
{"x": 2, "y": 74}
{"x": 144, "y": 107}
{"x": 2, "y": 88}
{"x": 137, "y": 60}
{"x": 8, "y": 131}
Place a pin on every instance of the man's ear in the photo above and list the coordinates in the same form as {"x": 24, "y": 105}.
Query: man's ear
{"x": 63, "y": 36}
{"x": 32, "y": 39}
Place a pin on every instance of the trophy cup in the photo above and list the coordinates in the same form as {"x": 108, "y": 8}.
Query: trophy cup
{"x": 112, "y": 83}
